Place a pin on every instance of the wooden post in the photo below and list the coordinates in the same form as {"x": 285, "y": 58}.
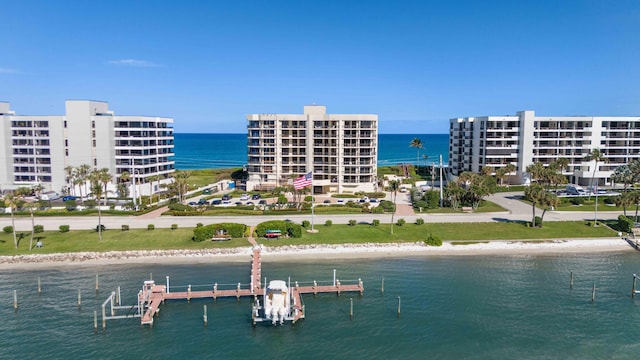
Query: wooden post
{"x": 382, "y": 287}
{"x": 204, "y": 317}
{"x": 79, "y": 299}
{"x": 95, "y": 320}
{"x": 238, "y": 292}
{"x": 39, "y": 286}
{"x": 315, "y": 288}
{"x": 189, "y": 293}
{"x": 104, "y": 317}
{"x": 168, "y": 284}
{"x": 633, "y": 288}
{"x": 97, "y": 283}
{"x": 118, "y": 298}
{"x": 593, "y": 293}
{"x": 571, "y": 281}
{"x": 398, "y": 306}
{"x": 151, "y": 276}
{"x": 15, "y": 299}
{"x": 215, "y": 289}
{"x": 351, "y": 309}
{"x": 361, "y": 285}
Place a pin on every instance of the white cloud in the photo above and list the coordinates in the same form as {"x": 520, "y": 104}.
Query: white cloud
{"x": 8, "y": 71}
{"x": 134, "y": 63}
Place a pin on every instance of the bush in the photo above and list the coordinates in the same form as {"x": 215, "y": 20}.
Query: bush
{"x": 64, "y": 228}
{"x": 308, "y": 198}
{"x": 328, "y": 223}
{"x": 433, "y": 241}
{"x": 100, "y": 228}
{"x": 38, "y": 229}
{"x": 577, "y": 201}
{"x": 174, "y": 226}
{"x": 419, "y": 221}
{"x": 625, "y": 223}
{"x": 306, "y": 223}
{"x": 421, "y": 204}
{"x": 199, "y": 225}
{"x": 401, "y": 222}
{"x": 609, "y": 201}
{"x": 125, "y": 227}
{"x": 7, "y": 229}
{"x": 202, "y": 233}
{"x": 537, "y": 221}
{"x": 179, "y": 207}
{"x": 375, "y": 222}
{"x": 285, "y": 227}
{"x": 151, "y": 227}
{"x": 352, "y": 222}
{"x": 386, "y": 205}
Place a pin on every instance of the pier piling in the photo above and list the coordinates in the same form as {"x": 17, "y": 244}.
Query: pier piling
{"x": 398, "y": 306}
{"x": 204, "y": 317}
{"x": 39, "y": 286}
{"x": 633, "y": 287}
{"x": 97, "y": 284}
{"x": 571, "y": 281}
{"x": 79, "y": 299}
{"x": 95, "y": 320}
{"x": 15, "y": 300}
{"x": 382, "y": 286}
{"x": 593, "y": 293}
{"x": 351, "y": 309}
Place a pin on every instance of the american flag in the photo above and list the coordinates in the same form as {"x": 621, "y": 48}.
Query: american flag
{"x": 303, "y": 181}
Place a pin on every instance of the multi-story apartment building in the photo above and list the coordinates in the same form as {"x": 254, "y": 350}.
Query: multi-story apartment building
{"x": 475, "y": 142}
{"x": 35, "y": 150}
{"x": 341, "y": 150}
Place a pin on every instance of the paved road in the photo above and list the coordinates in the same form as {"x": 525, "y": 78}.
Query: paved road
{"x": 517, "y": 211}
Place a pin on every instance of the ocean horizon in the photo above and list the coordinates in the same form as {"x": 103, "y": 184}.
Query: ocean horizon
{"x": 229, "y": 150}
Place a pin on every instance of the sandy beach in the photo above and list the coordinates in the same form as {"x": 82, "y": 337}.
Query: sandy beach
{"x": 316, "y": 252}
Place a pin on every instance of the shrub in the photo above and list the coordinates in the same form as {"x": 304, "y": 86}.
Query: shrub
{"x": 151, "y": 227}
{"x": 419, "y": 221}
{"x": 433, "y": 241}
{"x": 199, "y": 225}
{"x": 125, "y": 227}
{"x": 306, "y": 223}
{"x": 328, "y": 223}
{"x": 577, "y": 201}
{"x": 38, "y": 229}
{"x": 386, "y": 205}
{"x": 375, "y": 222}
{"x": 285, "y": 227}
{"x": 625, "y": 223}
{"x": 421, "y": 204}
{"x": 609, "y": 201}
{"x": 64, "y": 228}
{"x": 537, "y": 221}
{"x": 179, "y": 207}
{"x": 174, "y": 226}
{"x": 203, "y": 233}
{"x": 308, "y": 198}
{"x": 352, "y": 222}
{"x": 100, "y": 228}
{"x": 401, "y": 222}
{"x": 7, "y": 229}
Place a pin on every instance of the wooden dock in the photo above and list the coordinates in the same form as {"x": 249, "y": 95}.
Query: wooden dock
{"x": 152, "y": 295}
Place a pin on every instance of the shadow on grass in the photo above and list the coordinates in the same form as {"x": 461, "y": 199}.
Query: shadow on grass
{"x": 503, "y": 220}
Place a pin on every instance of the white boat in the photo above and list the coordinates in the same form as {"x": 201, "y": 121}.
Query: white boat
{"x": 277, "y": 303}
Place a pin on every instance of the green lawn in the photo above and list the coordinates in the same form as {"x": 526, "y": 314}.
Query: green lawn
{"x": 364, "y": 233}
{"x": 164, "y": 239}
{"x": 112, "y": 240}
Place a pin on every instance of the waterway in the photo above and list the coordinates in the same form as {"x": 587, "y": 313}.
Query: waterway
{"x": 469, "y": 307}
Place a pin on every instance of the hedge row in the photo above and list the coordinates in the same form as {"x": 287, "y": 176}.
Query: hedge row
{"x": 207, "y": 232}
{"x": 285, "y": 227}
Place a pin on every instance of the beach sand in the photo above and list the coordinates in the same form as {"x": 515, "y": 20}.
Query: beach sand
{"x": 315, "y": 252}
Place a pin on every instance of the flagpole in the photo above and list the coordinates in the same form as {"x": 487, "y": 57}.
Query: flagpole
{"x": 312, "y": 202}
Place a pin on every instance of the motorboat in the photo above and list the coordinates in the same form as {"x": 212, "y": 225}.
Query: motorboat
{"x": 276, "y": 304}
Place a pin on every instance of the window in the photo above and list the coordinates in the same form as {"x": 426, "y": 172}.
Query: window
{"x": 95, "y": 162}
{"x": 66, "y": 142}
{"x": 65, "y": 124}
{"x": 94, "y": 142}
{"x": 66, "y": 152}
{"x": 93, "y": 124}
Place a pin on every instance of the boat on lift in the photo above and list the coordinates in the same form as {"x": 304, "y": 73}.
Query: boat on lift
{"x": 276, "y": 304}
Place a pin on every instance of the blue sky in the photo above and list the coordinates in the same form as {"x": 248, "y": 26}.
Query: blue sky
{"x": 414, "y": 63}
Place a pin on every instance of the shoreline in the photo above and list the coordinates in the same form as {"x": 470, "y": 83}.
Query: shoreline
{"x": 315, "y": 252}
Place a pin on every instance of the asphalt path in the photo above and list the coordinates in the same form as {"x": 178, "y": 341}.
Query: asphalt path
{"x": 517, "y": 211}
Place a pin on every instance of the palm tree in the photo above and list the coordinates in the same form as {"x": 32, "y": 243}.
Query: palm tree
{"x": 151, "y": 179}
{"x": 535, "y": 193}
{"x": 508, "y": 169}
{"x": 597, "y": 156}
{"x": 13, "y": 204}
{"x": 623, "y": 175}
{"x": 418, "y": 144}
{"x": 69, "y": 172}
{"x": 81, "y": 177}
{"x": 99, "y": 180}
{"x": 537, "y": 171}
{"x": 394, "y": 185}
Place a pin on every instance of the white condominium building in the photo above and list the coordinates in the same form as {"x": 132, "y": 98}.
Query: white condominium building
{"x": 341, "y": 150}
{"x": 35, "y": 150}
{"x": 475, "y": 142}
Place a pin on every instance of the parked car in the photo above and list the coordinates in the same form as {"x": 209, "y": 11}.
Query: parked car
{"x": 226, "y": 197}
{"x": 238, "y": 203}
{"x": 192, "y": 203}
{"x": 340, "y": 201}
{"x": 262, "y": 202}
{"x": 255, "y": 197}
{"x": 244, "y": 197}
{"x": 249, "y": 203}
{"x": 327, "y": 202}
{"x": 68, "y": 197}
{"x": 373, "y": 200}
{"x": 216, "y": 202}
{"x": 206, "y": 191}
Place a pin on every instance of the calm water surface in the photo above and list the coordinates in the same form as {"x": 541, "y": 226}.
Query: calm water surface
{"x": 493, "y": 307}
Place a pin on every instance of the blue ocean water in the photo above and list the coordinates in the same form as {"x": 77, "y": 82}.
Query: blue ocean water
{"x": 200, "y": 151}
{"x": 462, "y": 307}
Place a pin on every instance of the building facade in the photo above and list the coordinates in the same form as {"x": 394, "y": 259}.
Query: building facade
{"x": 36, "y": 150}
{"x": 341, "y": 150}
{"x": 524, "y": 138}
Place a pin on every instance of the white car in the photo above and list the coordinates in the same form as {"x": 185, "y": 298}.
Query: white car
{"x": 245, "y": 197}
